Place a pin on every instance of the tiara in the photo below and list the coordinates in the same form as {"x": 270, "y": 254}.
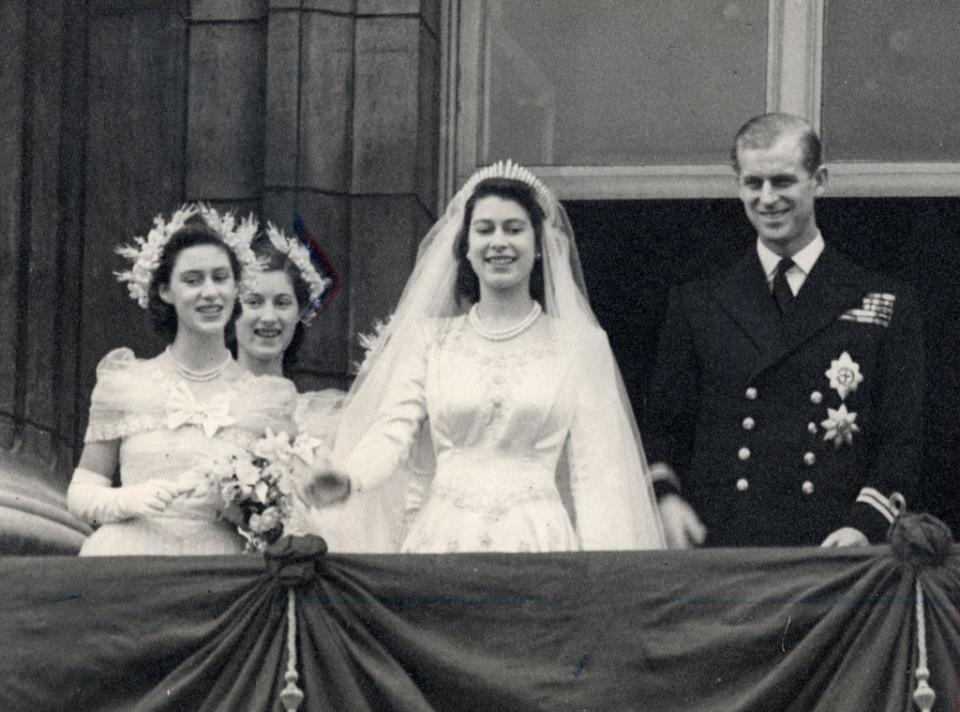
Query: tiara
{"x": 512, "y": 171}
{"x": 145, "y": 252}
{"x": 295, "y": 250}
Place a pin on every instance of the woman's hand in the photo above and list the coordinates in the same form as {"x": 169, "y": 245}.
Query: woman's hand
{"x": 327, "y": 488}
{"x": 147, "y": 498}
{"x": 92, "y": 498}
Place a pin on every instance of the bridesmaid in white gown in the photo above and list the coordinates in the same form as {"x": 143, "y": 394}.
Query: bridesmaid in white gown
{"x": 494, "y": 351}
{"x": 160, "y": 419}
{"x": 276, "y": 306}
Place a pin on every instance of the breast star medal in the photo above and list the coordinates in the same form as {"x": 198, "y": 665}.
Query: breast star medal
{"x": 844, "y": 374}
{"x": 840, "y": 426}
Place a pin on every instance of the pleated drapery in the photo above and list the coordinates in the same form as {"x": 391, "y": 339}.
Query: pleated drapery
{"x": 746, "y": 629}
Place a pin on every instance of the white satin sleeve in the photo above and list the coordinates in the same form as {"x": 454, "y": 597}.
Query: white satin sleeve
{"x": 609, "y": 478}
{"x": 386, "y": 445}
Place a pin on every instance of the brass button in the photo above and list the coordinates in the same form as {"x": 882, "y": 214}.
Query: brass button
{"x": 744, "y": 453}
{"x": 748, "y": 423}
{"x": 751, "y": 393}
{"x": 812, "y": 428}
{"x": 809, "y": 459}
{"x": 807, "y": 487}
{"x": 816, "y": 397}
{"x": 742, "y": 485}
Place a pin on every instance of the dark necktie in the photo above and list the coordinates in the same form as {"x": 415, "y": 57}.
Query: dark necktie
{"x": 781, "y": 289}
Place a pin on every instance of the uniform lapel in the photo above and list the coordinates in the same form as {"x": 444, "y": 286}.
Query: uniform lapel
{"x": 832, "y": 286}
{"x": 744, "y": 294}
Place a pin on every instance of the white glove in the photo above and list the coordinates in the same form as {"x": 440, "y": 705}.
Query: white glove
{"x": 92, "y": 498}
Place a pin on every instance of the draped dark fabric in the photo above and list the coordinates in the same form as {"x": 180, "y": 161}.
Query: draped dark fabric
{"x": 746, "y": 629}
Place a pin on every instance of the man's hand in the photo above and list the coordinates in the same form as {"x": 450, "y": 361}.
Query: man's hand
{"x": 846, "y": 536}
{"x": 681, "y": 525}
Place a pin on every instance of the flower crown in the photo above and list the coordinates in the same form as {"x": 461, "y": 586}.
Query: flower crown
{"x": 512, "y": 171}
{"x": 237, "y": 236}
{"x": 145, "y": 253}
{"x": 295, "y": 251}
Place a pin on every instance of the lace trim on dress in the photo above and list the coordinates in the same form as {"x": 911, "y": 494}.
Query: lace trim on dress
{"x": 127, "y": 426}
{"x": 179, "y": 408}
{"x": 491, "y": 508}
{"x": 119, "y": 425}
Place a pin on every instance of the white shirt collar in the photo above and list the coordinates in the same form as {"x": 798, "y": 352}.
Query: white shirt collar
{"x": 804, "y": 260}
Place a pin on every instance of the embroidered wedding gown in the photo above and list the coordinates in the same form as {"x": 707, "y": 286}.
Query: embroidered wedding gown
{"x": 168, "y": 428}
{"x": 503, "y": 417}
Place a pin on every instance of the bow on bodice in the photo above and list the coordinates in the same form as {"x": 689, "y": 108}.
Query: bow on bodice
{"x": 182, "y": 408}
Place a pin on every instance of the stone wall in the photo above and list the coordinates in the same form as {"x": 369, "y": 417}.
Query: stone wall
{"x": 115, "y": 111}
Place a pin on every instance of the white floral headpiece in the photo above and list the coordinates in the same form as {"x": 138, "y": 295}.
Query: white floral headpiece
{"x": 238, "y": 236}
{"x": 371, "y": 342}
{"x": 299, "y": 255}
{"x": 513, "y": 171}
{"x": 145, "y": 253}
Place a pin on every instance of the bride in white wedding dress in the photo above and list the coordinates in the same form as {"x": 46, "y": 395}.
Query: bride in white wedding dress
{"x": 493, "y": 349}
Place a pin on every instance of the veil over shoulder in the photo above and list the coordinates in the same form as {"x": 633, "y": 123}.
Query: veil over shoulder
{"x": 612, "y": 493}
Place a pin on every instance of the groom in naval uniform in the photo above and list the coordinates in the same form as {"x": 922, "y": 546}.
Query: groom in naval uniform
{"x": 787, "y": 401}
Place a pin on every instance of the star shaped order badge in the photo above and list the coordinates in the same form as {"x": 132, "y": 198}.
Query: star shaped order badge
{"x": 844, "y": 374}
{"x": 840, "y": 425}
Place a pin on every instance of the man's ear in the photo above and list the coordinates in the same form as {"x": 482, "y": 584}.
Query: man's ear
{"x": 820, "y": 176}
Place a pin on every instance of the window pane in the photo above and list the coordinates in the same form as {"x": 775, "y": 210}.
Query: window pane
{"x": 620, "y": 82}
{"x": 891, "y": 80}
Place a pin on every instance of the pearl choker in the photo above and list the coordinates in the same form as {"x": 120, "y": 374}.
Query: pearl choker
{"x": 507, "y": 333}
{"x": 192, "y": 375}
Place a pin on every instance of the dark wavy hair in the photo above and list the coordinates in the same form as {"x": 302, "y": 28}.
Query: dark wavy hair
{"x": 270, "y": 259}
{"x": 765, "y": 130}
{"x": 163, "y": 316}
{"x": 468, "y": 285}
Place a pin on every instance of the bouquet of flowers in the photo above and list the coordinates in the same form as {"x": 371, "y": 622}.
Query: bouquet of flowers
{"x": 256, "y": 489}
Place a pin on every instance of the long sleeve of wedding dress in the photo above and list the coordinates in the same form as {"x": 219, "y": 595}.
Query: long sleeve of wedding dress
{"x": 386, "y": 445}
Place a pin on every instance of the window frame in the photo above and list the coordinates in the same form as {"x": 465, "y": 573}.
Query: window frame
{"x": 795, "y": 31}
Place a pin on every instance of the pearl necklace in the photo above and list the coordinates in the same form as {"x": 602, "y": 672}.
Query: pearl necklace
{"x": 192, "y": 375}
{"x": 507, "y": 333}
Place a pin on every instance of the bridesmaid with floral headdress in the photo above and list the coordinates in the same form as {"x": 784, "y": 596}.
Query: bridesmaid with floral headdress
{"x": 154, "y": 422}
{"x": 281, "y": 297}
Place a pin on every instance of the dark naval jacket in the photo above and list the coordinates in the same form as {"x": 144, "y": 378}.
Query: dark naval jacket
{"x": 782, "y": 429}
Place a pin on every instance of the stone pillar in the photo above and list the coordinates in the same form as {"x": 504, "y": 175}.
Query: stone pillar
{"x": 395, "y": 148}
{"x": 39, "y": 273}
{"x": 225, "y": 103}
{"x": 351, "y": 146}
{"x": 39, "y": 251}
{"x": 309, "y": 113}
{"x": 13, "y": 16}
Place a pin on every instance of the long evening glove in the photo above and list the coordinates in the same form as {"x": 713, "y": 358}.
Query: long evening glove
{"x": 92, "y": 498}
